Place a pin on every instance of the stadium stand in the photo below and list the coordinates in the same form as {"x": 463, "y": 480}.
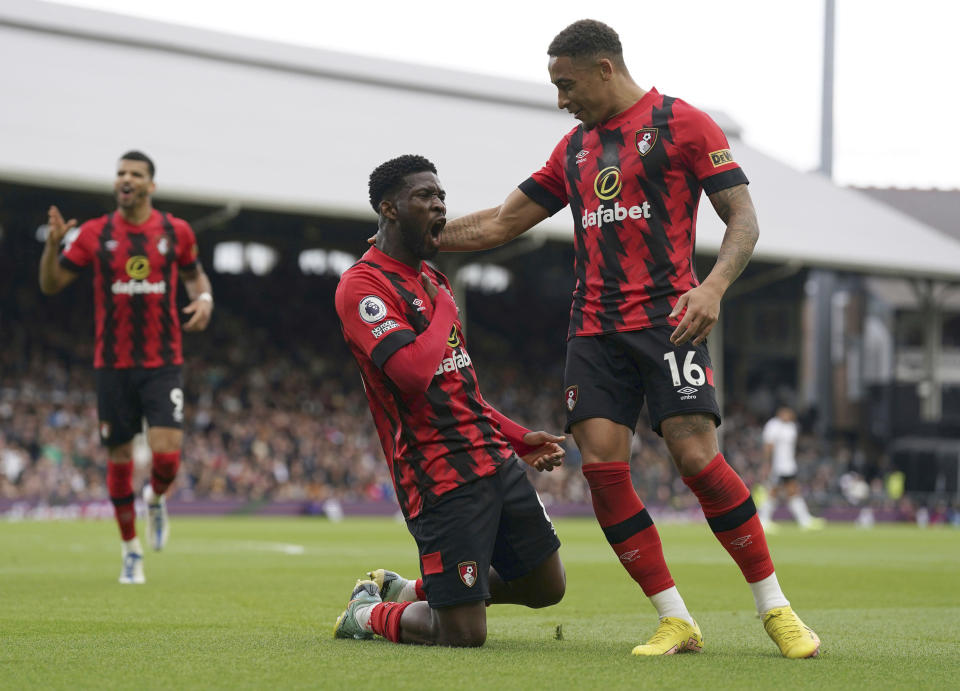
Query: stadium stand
{"x": 275, "y": 412}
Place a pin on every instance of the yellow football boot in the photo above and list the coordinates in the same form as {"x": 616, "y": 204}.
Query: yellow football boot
{"x": 795, "y": 639}
{"x": 672, "y": 636}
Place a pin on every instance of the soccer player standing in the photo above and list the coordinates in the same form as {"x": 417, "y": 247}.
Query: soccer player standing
{"x": 780, "y": 451}
{"x": 135, "y": 253}
{"x": 632, "y": 173}
{"x": 480, "y": 528}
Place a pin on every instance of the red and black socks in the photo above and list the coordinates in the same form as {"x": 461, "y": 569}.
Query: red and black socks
{"x": 120, "y": 489}
{"x": 732, "y": 517}
{"x": 164, "y": 471}
{"x": 627, "y": 525}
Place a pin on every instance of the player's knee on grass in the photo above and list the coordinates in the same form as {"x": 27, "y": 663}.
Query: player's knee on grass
{"x": 550, "y": 584}
{"x": 464, "y": 636}
{"x": 549, "y": 595}
{"x": 462, "y": 627}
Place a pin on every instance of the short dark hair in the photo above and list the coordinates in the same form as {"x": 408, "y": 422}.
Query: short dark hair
{"x": 140, "y": 156}
{"x": 587, "y": 38}
{"x": 387, "y": 177}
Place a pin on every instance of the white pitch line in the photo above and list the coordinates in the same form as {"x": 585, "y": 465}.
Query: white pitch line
{"x": 227, "y": 546}
{"x": 285, "y": 548}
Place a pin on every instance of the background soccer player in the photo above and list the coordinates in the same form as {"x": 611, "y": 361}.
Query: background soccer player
{"x": 632, "y": 173}
{"x": 136, "y": 254}
{"x": 480, "y": 528}
{"x": 780, "y": 451}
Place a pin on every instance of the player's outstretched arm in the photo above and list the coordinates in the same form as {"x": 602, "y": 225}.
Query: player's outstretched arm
{"x": 53, "y": 276}
{"x": 492, "y": 227}
{"x": 700, "y": 306}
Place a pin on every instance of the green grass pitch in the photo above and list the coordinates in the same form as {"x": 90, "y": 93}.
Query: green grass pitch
{"x": 250, "y": 603}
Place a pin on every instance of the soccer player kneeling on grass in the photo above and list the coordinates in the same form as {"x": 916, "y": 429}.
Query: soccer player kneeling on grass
{"x": 480, "y": 528}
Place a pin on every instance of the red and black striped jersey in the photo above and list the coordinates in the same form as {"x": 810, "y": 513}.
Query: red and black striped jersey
{"x": 633, "y": 184}
{"x": 135, "y": 269}
{"x": 434, "y": 441}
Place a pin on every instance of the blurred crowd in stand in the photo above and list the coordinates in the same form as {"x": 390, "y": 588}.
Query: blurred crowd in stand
{"x": 277, "y": 413}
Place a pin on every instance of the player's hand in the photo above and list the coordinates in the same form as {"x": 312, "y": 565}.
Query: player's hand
{"x": 429, "y": 286}
{"x": 201, "y": 310}
{"x": 702, "y": 305}
{"x": 548, "y": 453}
{"x": 56, "y": 228}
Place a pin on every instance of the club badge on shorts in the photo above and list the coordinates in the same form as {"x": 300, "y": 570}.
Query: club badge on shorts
{"x": 571, "y": 396}
{"x": 468, "y": 572}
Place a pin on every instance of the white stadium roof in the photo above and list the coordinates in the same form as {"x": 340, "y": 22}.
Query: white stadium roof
{"x": 267, "y": 125}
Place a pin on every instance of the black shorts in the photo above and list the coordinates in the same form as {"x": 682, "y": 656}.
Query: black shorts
{"x": 609, "y": 376}
{"x": 126, "y": 396}
{"x": 496, "y": 521}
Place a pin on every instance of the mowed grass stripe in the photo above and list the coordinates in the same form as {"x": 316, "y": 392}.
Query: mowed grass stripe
{"x": 226, "y": 607}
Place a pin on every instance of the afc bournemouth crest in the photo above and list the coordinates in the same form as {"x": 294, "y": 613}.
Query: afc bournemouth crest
{"x": 646, "y": 138}
{"x": 571, "y": 395}
{"x": 468, "y": 572}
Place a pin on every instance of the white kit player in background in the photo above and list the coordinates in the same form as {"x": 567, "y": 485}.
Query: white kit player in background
{"x": 780, "y": 451}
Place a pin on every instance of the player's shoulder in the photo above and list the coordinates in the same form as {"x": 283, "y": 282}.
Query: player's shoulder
{"x": 687, "y": 113}
{"x": 363, "y": 276}
{"x": 565, "y": 139}
{"x": 95, "y": 224}
{"x": 359, "y": 270}
{"x": 177, "y": 222}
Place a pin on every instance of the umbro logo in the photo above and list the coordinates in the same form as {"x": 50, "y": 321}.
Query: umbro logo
{"x": 418, "y": 303}
{"x": 687, "y": 390}
{"x": 742, "y": 541}
{"x": 582, "y": 156}
{"x": 630, "y": 556}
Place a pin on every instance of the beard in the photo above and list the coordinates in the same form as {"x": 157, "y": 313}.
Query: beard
{"x": 415, "y": 241}
{"x": 135, "y": 199}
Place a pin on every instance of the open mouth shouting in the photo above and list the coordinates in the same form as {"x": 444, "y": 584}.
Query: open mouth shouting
{"x": 436, "y": 228}
{"x": 125, "y": 194}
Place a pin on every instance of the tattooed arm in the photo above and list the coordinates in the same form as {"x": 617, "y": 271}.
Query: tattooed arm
{"x": 734, "y": 206}
{"x": 492, "y": 227}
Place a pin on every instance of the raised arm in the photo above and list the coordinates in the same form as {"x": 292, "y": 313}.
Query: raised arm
{"x": 492, "y": 227}
{"x": 53, "y": 276}
{"x": 702, "y": 304}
